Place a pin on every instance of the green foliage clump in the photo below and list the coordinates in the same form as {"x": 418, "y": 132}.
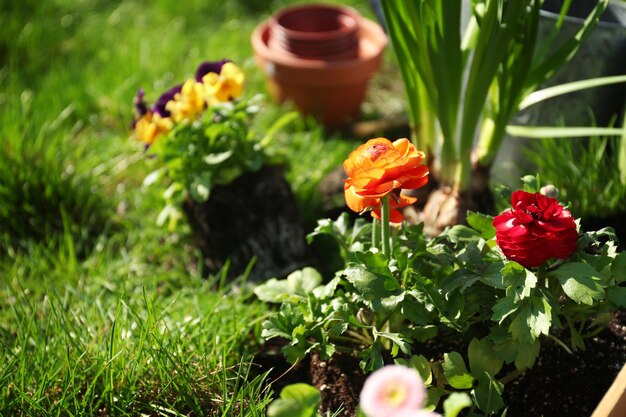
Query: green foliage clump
{"x": 458, "y": 289}
{"x": 45, "y": 194}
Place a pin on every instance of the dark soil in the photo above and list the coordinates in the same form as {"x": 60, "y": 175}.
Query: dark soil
{"x": 339, "y": 380}
{"x": 561, "y": 384}
{"x": 254, "y": 216}
{"x": 558, "y": 385}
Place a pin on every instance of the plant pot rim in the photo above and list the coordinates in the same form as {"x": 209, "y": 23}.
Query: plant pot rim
{"x": 351, "y": 16}
{"x": 372, "y": 42}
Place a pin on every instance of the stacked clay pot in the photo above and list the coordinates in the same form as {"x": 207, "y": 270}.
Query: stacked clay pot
{"x": 316, "y": 32}
{"x": 321, "y": 57}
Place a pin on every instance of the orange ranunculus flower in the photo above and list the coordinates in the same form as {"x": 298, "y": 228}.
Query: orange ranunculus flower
{"x": 377, "y": 168}
{"x": 396, "y": 201}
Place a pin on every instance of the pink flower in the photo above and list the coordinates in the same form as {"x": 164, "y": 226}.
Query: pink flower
{"x": 391, "y": 390}
{"x": 414, "y": 413}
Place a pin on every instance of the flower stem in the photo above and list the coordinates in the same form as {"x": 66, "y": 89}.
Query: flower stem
{"x": 560, "y": 343}
{"x": 512, "y": 376}
{"x": 385, "y": 232}
{"x": 375, "y": 232}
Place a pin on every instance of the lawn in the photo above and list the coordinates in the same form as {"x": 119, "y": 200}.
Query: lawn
{"x": 102, "y": 312}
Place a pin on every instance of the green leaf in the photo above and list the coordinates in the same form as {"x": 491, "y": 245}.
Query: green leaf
{"x": 415, "y": 311}
{"x": 420, "y": 364}
{"x": 375, "y": 262}
{"x": 299, "y": 284}
{"x": 217, "y": 158}
{"x": 493, "y": 276}
{"x": 296, "y": 400}
{"x": 327, "y": 291}
{"x": 461, "y": 278}
{"x": 336, "y": 229}
{"x": 272, "y": 291}
{"x": 532, "y": 320}
{"x": 617, "y": 295}
{"x": 483, "y": 223}
{"x": 488, "y": 394}
{"x": 581, "y": 282}
{"x": 372, "y": 358}
{"x": 621, "y": 152}
{"x": 520, "y": 328}
{"x": 539, "y": 316}
{"x": 555, "y": 91}
{"x": 433, "y": 395}
{"x": 303, "y": 281}
{"x": 482, "y": 358}
{"x": 542, "y": 132}
{"x": 531, "y": 183}
{"x": 455, "y": 403}
{"x": 422, "y": 334}
{"x": 200, "y": 187}
{"x": 527, "y": 354}
{"x": 460, "y": 233}
{"x": 371, "y": 286}
{"x": 520, "y": 280}
{"x": 456, "y": 372}
{"x": 286, "y": 408}
{"x": 154, "y": 176}
{"x": 618, "y": 268}
{"x": 398, "y": 340}
{"x": 171, "y": 214}
{"x": 503, "y": 308}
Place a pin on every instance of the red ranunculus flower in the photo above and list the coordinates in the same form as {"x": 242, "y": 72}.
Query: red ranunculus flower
{"x": 535, "y": 229}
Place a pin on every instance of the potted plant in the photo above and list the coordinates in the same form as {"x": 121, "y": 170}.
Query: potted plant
{"x": 222, "y": 174}
{"x": 470, "y": 310}
{"x": 464, "y": 88}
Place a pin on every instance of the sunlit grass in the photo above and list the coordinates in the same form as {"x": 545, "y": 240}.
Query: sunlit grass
{"x": 586, "y": 172}
{"x": 101, "y": 311}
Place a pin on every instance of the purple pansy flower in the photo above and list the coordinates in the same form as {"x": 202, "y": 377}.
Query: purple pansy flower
{"x": 159, "y": 106}
{"x": 141, "y": 108}
{"x": 207, "y": 66}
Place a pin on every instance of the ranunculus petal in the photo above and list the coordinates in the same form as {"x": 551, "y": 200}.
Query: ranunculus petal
{"x": 357, "y": 202}
{"x": 536, "y": 229}
{"x": 378, "y": 167}
{"x": 395, "y": 203}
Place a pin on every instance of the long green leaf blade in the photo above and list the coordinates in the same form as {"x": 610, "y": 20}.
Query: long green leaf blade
{"x": 543, "y": 132}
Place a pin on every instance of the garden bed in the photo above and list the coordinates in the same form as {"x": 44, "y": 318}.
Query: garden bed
{"x": 559, "y": 384}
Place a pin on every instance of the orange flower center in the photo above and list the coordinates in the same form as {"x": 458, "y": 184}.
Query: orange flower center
{"x": 375, "y": 151}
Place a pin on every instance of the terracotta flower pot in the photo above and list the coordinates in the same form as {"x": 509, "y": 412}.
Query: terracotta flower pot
{"x": 316, "y": 31}
{"x": 329, "y": 88}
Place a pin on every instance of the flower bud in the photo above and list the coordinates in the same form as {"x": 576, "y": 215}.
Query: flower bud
{"x": 550, "y": 191}
{"x": 365, "y": 316}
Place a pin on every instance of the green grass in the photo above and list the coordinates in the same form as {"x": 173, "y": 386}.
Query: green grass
{"x": 585, "y": 171}
{"x": 102, "y": 312}
{"x": 76, "y": 342}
